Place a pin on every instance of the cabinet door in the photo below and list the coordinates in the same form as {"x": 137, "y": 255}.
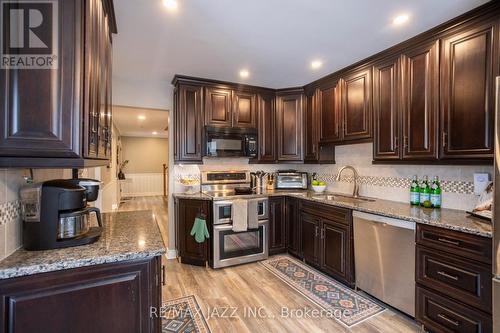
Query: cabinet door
{"x": 277, "y": 228}
{"x": 310, "y": 237}
{"x": 218, "y": 107}
{"x": 41, "y": 107}
{"x": 420, "y": 102}
{"x": 103, "y": 298}
{"x": 190, "y": 123}
{"x": 244, "y": 115}
{"x": 469, "y": 66}
{"x": 330, "y": 112}
{"x": 356, "y": 105}
{"x": 292, "y": 225}
{"x": 267, "y": 128}
{"x": 334, "y": 252}
{"x": 289, "y": 122}
{"x": 311, "y": 119}
{"x": 190, "y": 251}
{"x": 386, "y": 109}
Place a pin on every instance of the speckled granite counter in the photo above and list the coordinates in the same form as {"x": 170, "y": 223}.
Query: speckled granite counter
{"x": 444, "y": 218}
{"x": 195, "y": 196}
{"x": 126, "y": 236}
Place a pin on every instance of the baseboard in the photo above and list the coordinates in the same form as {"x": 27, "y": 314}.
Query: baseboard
{"x": 171, "y": 253}
{"x": 142, "y": 194}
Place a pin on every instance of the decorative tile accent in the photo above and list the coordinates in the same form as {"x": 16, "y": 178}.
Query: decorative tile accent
{"x": 183, "y": 315}
{"x": 344, "y": 304}
{"x": 9, "y": 211}
{"x": 450, "y": 186}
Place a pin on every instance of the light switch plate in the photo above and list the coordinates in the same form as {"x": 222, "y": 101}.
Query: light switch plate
{"x": 481, "y": 180}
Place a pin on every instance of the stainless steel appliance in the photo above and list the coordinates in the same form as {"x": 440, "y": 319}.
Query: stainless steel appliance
{"x": 230, "y": 142}
{"x": 291, "y": 179}
{"x": 496, "y": 217}
{"x": 55, "y": 215}
{"x": 384, "y": 258}
{"x": 229, "y": 247}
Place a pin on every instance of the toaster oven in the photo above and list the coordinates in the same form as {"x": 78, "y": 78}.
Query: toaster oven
{"x": 291, "y": 179}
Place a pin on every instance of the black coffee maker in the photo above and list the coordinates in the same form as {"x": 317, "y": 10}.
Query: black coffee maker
{"x": 56, "y": 215}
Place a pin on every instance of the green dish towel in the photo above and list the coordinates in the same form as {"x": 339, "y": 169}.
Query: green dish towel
{"x": 200, "y": 230}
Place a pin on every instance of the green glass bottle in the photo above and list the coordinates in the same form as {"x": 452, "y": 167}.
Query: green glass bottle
{"x": 425, "y": 192}
{"x": 414, "y": 192}
{"x": 436, "y": 193}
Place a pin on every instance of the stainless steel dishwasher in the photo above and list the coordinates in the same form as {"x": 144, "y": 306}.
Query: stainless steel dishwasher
{"x": 384, "y": 256}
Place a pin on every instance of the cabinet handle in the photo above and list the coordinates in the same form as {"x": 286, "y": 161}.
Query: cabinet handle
{"x": 396, "y": 143}
{"x": 451, "y": 321}
{"x": 405, "y": 142}
{"x": 316, "y": 231}
{"x": 446, "y": 275}
{"x": 323, "y": 232}
{"x": 163, "y": 281}
{"x": 445, "y": 136}
{"x": 447, "y": 241}
{"x": 314, "y": 148}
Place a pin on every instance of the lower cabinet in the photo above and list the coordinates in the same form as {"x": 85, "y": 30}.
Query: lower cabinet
{"x": 115, "y": 297}
{"x": 453, "y": 288}
{"x": 189, "y": 251}
{"x": 327, "y": 240}
{"x": 277, "y": 225}
{"x": 292, "y": 226}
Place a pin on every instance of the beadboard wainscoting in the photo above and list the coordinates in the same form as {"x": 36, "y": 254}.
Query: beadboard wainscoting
{"x": 142, "y": 184}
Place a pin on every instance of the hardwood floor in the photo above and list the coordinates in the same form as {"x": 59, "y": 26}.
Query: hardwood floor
{"x": 240, "y": 289}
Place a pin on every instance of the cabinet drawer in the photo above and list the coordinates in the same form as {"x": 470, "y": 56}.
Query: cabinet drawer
{"x": 461, "y": 279}
{"x": 459, "y": 243}
{"x": 336, "y": 214}
{"x": 440, "y": 314}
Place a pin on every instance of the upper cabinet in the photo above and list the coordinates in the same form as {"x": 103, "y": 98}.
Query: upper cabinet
{"x": 289, "y": 116}
{"x": 188, "y": 124}
{"x": 356, "y": 105}
{"x": 244, "y": 110}
{"x": 468, "y": 70}
{"x": 218, "y": 107}
{"x": 267, "y": 128}
{"x": 60, "y": 116}
{"x": 330, "y": 113}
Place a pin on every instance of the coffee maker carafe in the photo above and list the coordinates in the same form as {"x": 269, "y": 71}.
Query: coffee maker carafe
{"x": 55, "y": 215}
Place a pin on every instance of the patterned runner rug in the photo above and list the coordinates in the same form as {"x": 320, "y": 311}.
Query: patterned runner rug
{"x": 347, "y": 306}
{"x": 183, "y": 315}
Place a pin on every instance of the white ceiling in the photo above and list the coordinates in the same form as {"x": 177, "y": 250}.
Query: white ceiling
{"x": 126, "y": 121}
{"x": 274, "y": 39}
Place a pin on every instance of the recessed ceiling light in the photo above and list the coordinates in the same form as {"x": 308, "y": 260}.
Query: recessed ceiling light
{"x": 400, "y": 19}
{"x": 155, "y": 133}
{"x": 141, "y": 117}
{"x": 316, "y": 64}
{"x": 170, "y": 4}
{"x": 244, "y": 73}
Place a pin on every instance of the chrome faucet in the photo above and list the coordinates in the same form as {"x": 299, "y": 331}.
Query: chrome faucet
{"x": 355, "y": 191}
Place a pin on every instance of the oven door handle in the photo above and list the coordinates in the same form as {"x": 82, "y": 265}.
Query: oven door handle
{"x": 223, "y": 227}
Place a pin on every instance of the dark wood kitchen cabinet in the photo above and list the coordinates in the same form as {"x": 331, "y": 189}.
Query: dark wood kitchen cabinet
{"x": 244, "y": 109}
{"x": 61, "y": 117}
{"x": 188, "y": 123}
{"x": 190, "y": 251}
{"x": 310, "y": 225}
{"x": 330, "y": 112}
{"x": 468, "y": 70}
{"x": 267, "y": 128}
{"x": 289, "y": 120}
{"x": 218, "y": 107}
{"x": 357, "y": 106}
{"x": 405, "y": 105}
{"x": 277, "y": 225}
{"x": 116, "y": 297}
{"x": 292, "y": 223}
{"x": 453, "y": 275}
{"x": 327, "y": 240}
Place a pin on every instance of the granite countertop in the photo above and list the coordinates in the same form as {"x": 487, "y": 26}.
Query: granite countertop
{"x": 194, "y": 195}
{"x": 126, "y": 236}
{"x": 444, "y": 218}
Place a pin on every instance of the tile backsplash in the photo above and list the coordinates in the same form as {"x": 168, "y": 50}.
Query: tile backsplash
{"x": 389, "y": 182}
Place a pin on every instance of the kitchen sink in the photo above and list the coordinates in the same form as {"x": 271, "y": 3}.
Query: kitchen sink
{"x": 343, "y": 197}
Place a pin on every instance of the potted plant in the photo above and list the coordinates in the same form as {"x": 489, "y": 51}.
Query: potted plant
{"x": 123, "y": 164}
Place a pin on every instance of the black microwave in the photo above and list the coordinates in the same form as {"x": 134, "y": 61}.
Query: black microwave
{"x": 230, "y": 142}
